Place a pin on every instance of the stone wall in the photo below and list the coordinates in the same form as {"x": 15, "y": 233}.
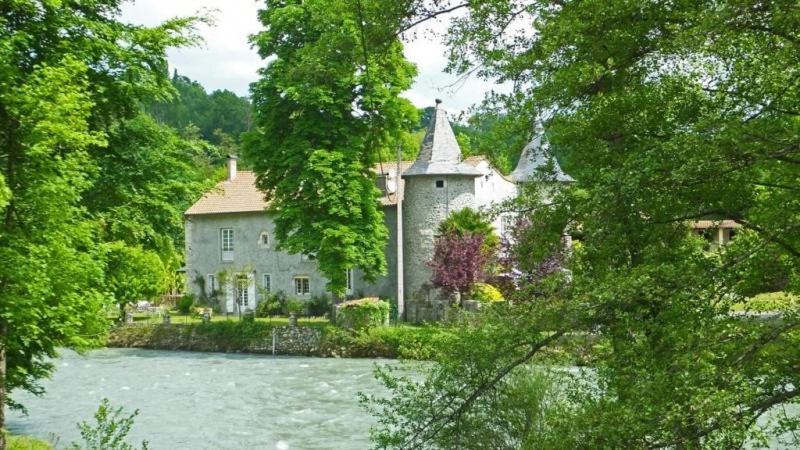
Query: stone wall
{"x": 297, "y": 340}
{"x": 232, "y": 337}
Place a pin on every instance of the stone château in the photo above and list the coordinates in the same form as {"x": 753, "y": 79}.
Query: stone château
{"x": 231, "y": 252}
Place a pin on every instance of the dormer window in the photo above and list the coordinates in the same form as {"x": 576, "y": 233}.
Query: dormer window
{"x": 439, "y": 184}
{"x": 263, "y": 240}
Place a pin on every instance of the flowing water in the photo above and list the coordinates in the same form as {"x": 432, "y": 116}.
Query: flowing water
{"x": 208, "y": 400}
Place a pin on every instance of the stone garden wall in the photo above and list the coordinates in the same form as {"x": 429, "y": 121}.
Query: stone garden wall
{"x": 219, "y": 337}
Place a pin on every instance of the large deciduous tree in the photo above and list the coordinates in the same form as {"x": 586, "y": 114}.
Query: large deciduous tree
{"x": 668, "y": 112}
{"x": 68, "y": 69}
{"x": 327, "y": 105}
{"x": 143, "y": 181}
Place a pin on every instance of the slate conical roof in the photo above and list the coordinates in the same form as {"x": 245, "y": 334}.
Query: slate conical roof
{"x": 439, "y": 153}
{"x": 536, "y": 158}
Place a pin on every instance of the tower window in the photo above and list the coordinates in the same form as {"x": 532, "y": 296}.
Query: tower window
{"x": 439, "y": 183}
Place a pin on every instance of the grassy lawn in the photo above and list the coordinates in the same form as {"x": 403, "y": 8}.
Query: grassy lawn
{"x": 770, "y": 301}
{"x": 188, "y": 319}
{"x": 27, "y": 443}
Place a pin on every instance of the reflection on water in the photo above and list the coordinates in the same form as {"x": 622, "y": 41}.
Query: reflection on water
{"x": 208, "y": 400}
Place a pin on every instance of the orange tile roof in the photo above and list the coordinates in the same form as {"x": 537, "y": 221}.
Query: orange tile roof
{"x": 242, "y": 195}
{"x": 239, "y": 195}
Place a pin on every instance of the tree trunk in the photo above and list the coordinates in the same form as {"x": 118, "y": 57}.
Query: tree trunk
{"x": 2, "y": 387}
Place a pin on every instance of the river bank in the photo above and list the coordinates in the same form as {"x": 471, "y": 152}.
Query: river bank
{"x": 315, "y": 339}
{"x": 320, "y": 339}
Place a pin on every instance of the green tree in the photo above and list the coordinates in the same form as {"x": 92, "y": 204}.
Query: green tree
{"x": 669, "y": 112}
{"x": 326, "y": 107}
{"x": 469, "y": 221}
{"x": 216, "y": 115}
{"x": 67, "y": 70}
{"x": 145, "y": 178}
{"x": 132, "y": 273}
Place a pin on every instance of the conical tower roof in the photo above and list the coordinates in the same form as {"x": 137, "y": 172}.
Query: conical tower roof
{"x": 439, "y": 153}
{"x": 536, "y": 158}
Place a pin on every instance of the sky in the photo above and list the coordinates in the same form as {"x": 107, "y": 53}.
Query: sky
{"x": 226, "y": 61}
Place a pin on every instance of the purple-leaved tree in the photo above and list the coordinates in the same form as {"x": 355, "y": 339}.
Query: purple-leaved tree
{"x": 458, "y": 262}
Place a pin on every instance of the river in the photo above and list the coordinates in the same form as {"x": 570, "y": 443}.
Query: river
{"x": 207, "y": 400}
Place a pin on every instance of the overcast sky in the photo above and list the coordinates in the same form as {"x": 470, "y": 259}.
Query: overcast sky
{"x": 226, "y": 60}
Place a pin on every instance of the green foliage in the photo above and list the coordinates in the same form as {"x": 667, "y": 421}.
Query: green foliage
{"x": 185, "y": 304}
{"x": 468, "y": 220}
{"x": 769, "y": 302}
{"x": 362, "y": 314}
{"x": 132, "y": 273}
{"x": 218, "y": 116}
{"x": 295, "y": 306}
{"x": 319, "y": 306}
{"x": 146, "y": 177}
{"x": 110, "y": 431}
{"x": 484, "y": 292}
{"x": 27, "y": 443}
{"x": 666, "y": 113}
{"x": 271, "y": 304}
{"x": 325, "y": 107}
{"x": 66, "y": 74}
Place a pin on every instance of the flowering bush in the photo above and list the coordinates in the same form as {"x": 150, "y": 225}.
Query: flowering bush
{"x": 484, "y": 292}
{"x": 363, "y": 313}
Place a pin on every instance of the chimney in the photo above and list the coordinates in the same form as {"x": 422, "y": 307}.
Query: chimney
{"x": 231, "y": 167}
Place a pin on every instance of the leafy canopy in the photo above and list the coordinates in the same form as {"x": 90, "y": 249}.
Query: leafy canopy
{"x": 326, "y": 106}
{"x": 68, "y": 70}
{"x": 668, "y": 112}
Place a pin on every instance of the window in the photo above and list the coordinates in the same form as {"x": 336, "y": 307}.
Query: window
{"x": 266, "y": 282}
{"x": 242, "y": 290}
{"x": 349, "y": 281}
{"x": 211, "y": 283}
{"x": 226, "y": 243}
{"x": 301, "y": 286}
{"x": 439, "y": 183}
{"x": 263, "y": 240}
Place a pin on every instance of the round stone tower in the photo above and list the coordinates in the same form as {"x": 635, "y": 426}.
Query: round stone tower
{"x": 436, "y": 184}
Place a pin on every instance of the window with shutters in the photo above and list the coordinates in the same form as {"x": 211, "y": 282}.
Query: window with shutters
{"x": 226, "y": 243}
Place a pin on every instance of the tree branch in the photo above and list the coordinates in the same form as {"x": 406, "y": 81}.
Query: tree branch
{"x": 432, "y": 15}
{"x": 482, "y": 388}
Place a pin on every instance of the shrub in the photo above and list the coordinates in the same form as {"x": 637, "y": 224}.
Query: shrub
{"x": 458, "y": 262}
{"x": 468, "y": 221}
{"x": 110, "y": 432}
{"x": 295, "y": 306}
{"x": 319, "y": 306}
{"x": 271, "y": 304}
{"x": 485, "y": 292}
{"x": 185, "y": 304}
{"x": 27, "y": 443}
{"x": 362, "y": 314}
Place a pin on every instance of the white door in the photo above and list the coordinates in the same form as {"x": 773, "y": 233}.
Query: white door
{"x": 245, "y": 292}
